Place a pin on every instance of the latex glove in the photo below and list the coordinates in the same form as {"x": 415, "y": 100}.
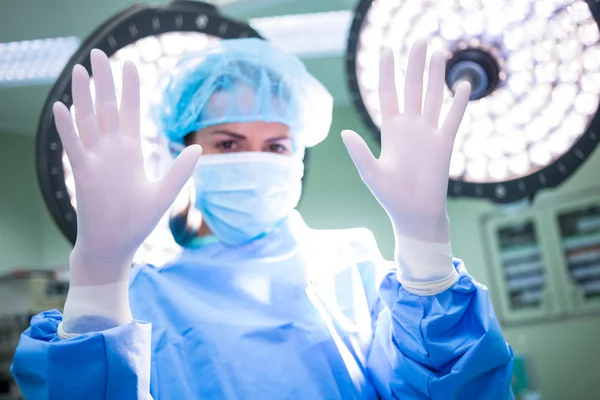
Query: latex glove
{"x": 410, "y": 177}
{"x": 117, "y": 205}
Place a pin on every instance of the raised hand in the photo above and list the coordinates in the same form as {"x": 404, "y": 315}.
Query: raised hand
{"x": 117, "y": 205}
{"x": 410, "y": 178}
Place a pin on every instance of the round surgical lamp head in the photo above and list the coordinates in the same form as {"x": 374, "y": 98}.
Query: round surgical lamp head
{"x": 154, "y": 38}
{"x": 534, "y": 69}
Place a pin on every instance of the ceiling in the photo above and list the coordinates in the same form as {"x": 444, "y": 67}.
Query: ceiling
{"x": 20, "y": 107}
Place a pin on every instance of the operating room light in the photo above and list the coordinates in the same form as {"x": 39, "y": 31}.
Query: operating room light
{"x": 534, "y": 67}
{"x": 154, "y": 38}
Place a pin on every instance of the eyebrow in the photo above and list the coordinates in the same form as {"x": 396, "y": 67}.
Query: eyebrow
{"x": 228, "y": 133}
{"x": 242, "y": 137}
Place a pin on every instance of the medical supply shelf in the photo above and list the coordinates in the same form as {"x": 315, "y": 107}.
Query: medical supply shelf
{"x": 545, "y": 259}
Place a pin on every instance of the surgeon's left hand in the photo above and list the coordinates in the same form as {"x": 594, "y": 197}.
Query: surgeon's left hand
{"x": 410, "y": 177}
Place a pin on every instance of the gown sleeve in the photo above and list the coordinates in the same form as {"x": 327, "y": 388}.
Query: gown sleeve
{"x": 445, "y": 346}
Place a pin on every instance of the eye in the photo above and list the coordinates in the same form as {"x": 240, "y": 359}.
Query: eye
{"x": 278, "y": 148}
{"x": 227, "y": 145}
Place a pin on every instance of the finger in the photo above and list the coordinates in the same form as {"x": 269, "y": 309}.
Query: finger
{"x": 129, "y": 112}
{"x": 180, "y": 172}
{"x": 457, "y": 110}
{"x": 413, "y": 87}
{"x": 388, "y": 95}
{"x": 435, "y": 88}
{"x": 85, "y": 117}
{"x": 359, "y": 153}
{"x": 68, "y": 137}
{"x": 106, "y": 99}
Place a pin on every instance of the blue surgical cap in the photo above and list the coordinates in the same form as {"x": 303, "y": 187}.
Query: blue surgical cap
{"x": 243, "y": 80}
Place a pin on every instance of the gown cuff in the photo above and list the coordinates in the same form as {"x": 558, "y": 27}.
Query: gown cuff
{"x": 425, "y": 269}
{"x": 95, "y": 308}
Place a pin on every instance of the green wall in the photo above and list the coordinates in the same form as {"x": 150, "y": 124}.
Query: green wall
{"x": 28, "y": 236}
{"x": 563, "y": 352}
{"x": 334, "y": 195}
{"x": 20, "y": 205}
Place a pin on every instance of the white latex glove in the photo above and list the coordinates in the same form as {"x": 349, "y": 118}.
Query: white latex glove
{"x": 410, "y": 178}
{"x": 117, "y": 205}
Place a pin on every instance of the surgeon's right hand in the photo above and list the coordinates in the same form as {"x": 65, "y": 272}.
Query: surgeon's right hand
{"x": 117, "y": 205}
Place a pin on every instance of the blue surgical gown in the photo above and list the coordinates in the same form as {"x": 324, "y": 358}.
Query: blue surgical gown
{"x": 298, "y": 314}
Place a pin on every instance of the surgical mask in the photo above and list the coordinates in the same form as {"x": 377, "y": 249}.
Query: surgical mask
{"x": 243, "y": 196}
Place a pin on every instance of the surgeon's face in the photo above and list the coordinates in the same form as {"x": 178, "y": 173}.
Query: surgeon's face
{"x": 272, "y": 137}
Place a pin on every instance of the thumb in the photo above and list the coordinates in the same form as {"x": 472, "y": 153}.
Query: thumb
{"x": 180, "y": 172}
{"x": 359, "y": 153}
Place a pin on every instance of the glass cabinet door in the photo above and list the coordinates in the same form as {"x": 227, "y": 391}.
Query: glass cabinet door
{"x": 526, "y": 288}
{"x": 577, "y": 228}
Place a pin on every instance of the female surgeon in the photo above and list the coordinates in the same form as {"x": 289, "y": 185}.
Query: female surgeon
{"x": 258, "y": 305}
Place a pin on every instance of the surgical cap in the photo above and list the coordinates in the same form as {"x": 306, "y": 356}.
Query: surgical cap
{"x": 243, "y": 80}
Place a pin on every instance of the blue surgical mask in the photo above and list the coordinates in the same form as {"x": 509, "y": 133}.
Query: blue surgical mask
{"x": 243, "y": 196}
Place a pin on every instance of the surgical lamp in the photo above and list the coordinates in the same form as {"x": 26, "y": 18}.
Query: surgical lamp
{"x": 534, "y": 68}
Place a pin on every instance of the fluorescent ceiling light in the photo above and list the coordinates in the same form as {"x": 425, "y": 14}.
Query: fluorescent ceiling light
{"x": 38, "y": 61}
{"x": 307, "y": 35}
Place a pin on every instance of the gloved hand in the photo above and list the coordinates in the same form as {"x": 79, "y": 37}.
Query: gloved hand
{"x": 410, "y": 178}
{"x": 117, "y": 205}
